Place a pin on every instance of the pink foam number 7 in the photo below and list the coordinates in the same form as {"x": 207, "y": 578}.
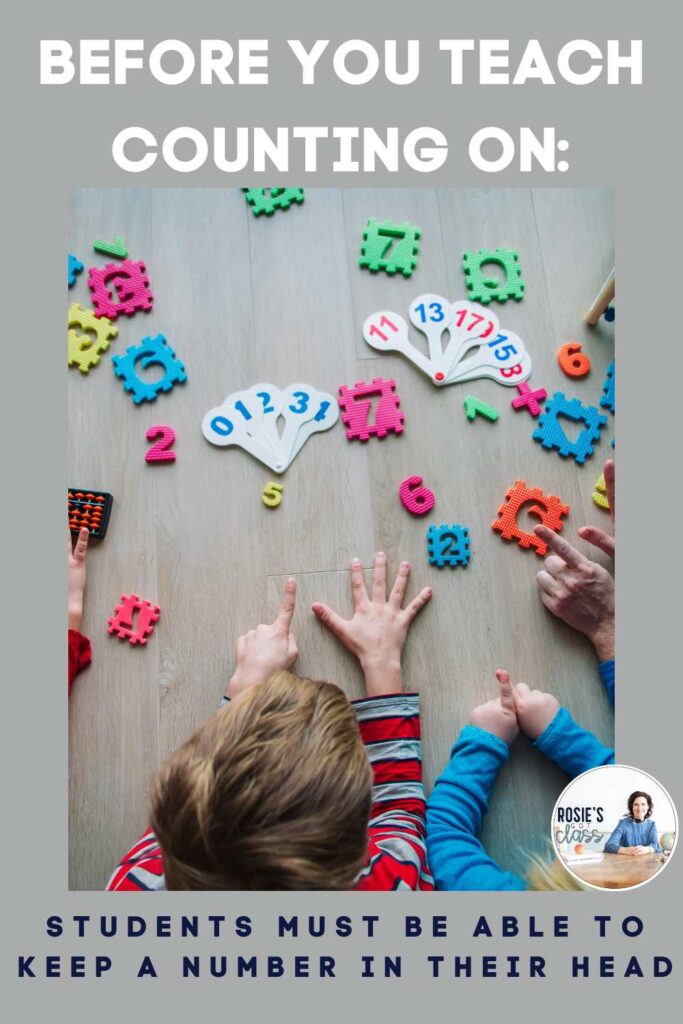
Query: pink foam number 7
{"x": 384, "y": 322}
{"x": 161, "y": 451}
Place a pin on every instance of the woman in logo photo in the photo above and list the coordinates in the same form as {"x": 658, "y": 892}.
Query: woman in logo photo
{"x": 636, "y": 833}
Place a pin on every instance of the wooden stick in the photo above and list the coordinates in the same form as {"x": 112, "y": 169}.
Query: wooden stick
{"x": 601, "y": 301}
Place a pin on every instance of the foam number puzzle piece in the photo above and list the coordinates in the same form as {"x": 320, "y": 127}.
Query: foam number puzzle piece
{"x": 528, "y": 399}
{"x": 82, "y": 349}
{"x": 150, "y": 352}
{"x": 484, "y": 289}
{"x": 356, "y": 403}
{"x": 475, "y": 405}
{"x": 268, "y": 200}
{"x": 608, "y": 391}
{"x": 123, "y": 621}
{"x": 389, "y": 247}
{"x": 573, "y": 361}
{"x": 117, "y": 248}
{"x": 417, "y": 499}
{"x": 550, "y": 432}
{"x": 91, "y": 509}
{"x": 128, "y": 280}
{"x": 74, "y": 267}
{"x": 272, "y": 494}
{"x": 600, "y": 493}
{"x": 161, "y": 451}
{"x": 548, "y": 507}
{"x": 448, "y": 545}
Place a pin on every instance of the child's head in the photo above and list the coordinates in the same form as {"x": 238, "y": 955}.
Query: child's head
{"x": 273, "y": 792}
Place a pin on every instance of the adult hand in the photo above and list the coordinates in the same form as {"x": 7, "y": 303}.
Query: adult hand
{"x": 578, "y": 591}
{"x": 378, "y": 629}
{"x": 267, "y": 649}
{"x": 499, "y": 716}
{"x": 535, "y": 709}
{"x": 75, "y": 574}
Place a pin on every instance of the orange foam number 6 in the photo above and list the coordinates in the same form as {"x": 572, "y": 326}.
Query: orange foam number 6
{"x": 573, "y": 361}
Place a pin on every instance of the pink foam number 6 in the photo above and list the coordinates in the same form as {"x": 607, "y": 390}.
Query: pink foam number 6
{"x": 161, "y": 451}
{"x": 417, "y": 499}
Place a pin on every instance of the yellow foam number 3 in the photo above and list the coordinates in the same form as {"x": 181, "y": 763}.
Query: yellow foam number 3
{"x": 272, "y": 494}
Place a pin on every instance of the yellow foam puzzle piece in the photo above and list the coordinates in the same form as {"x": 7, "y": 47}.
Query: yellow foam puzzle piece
{"x": 84, "y": 350}
{"x": 600, "y": 493}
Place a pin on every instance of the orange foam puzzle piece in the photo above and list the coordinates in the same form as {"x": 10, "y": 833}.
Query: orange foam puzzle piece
{"x": 548, "y": 507}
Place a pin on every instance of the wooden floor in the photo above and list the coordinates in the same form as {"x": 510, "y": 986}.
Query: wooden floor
{"x": 282, "y": 299}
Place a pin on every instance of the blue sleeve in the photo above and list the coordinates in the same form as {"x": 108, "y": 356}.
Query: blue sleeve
{"x": 606, "y": 670}
{"x": 614, "y": 842}
{"x": 455, "y": 812}
{"x": 654, "y": 839}
{"x": 571, "y": 747}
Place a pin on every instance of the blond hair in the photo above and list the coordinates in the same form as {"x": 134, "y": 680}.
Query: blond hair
{"x": 550, "y": 876}
{"x": 273, "y": 792}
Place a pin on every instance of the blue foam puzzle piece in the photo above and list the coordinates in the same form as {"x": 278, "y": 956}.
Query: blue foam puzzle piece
{"x": 608, "y": 393}
{"x": 75, "y": 267}
{"x": 150, "y": 351}
{"x": 551, "y": 435}
{"x": 448, "y": 545}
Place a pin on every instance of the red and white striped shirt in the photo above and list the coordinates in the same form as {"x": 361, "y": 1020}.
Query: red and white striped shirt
{"x": 397, "y": 856}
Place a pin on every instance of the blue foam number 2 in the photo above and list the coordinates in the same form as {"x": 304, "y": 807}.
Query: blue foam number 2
{"x": 222, "y": 426}
{"x": 438, "y": 315}
{"x": 302, "y": 404}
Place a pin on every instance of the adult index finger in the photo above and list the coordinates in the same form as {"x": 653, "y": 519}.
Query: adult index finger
{"x": 561, "y": 547}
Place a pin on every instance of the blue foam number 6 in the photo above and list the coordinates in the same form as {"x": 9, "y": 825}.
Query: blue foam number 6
{"x": 222, "y": 426}
{"x": 302, "y": 404}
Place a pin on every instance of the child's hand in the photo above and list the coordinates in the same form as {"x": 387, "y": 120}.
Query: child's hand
{"x": 535, "y": 710}
{"x": 76, "y": 576}
{"x": 498, "y": 716}
{"x": 379, "y": 627}
{"x": 267, "y": 649}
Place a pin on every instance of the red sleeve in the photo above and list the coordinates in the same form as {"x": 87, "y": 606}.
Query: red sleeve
{"x": 397, "y": 855}
{"x": 80, "y": 654}
{"x": 142, "y": 869}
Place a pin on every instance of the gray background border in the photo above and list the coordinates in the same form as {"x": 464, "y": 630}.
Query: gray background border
{"x": 57, "y": 138}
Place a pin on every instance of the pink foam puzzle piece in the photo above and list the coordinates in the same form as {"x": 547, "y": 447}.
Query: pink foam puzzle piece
{"x": 417, "y": 499}
{"x": 120, "y": 288}
{"x": 356, "y": 403}
{"x": 122, "y": 621}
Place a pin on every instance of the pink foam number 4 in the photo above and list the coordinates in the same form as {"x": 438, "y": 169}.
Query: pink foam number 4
{"x": 128, "y": 280}
{"x": 356, "y": 403}
{"x": 529, "y": 399}
{"x": 161, "y": 451}
{"x": 417, "y": 499}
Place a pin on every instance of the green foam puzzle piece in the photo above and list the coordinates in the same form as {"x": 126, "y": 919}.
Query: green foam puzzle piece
{"x": 483, "y": 289}
{"x": 268, "y": 200}
{"x": 389, "y": 247}
{"x": 475, "y": 405}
